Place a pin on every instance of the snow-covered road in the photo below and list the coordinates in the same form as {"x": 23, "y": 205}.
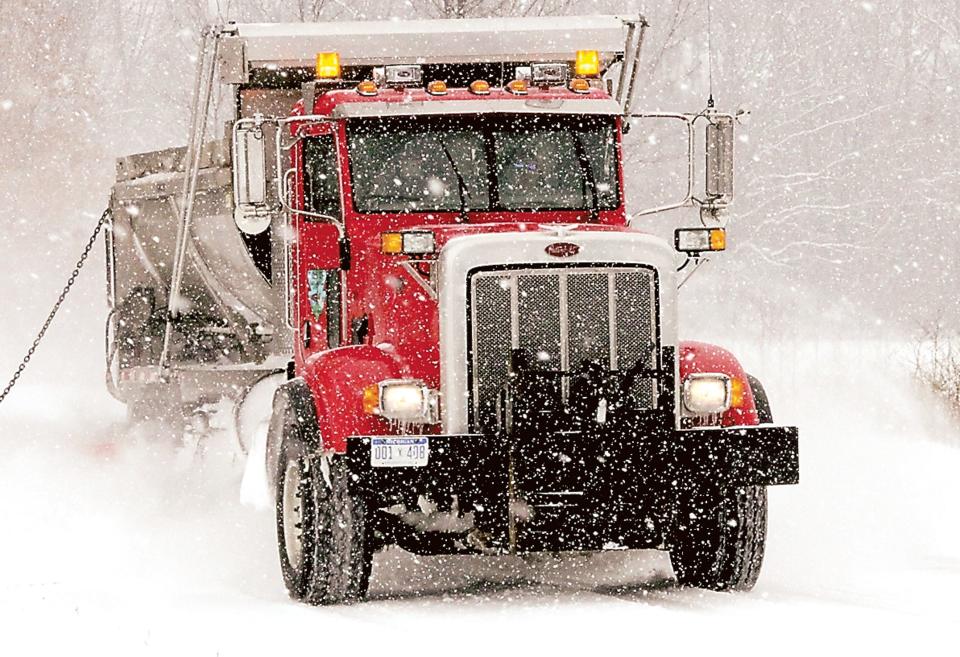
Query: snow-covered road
{"x": 117, "y": 545}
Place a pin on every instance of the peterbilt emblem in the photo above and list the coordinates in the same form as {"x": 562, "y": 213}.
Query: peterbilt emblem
{"x": 563, "y": 249}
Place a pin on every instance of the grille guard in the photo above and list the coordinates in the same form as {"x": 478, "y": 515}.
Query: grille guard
{"x": 585, "y": 399}
{"x": 560, "y": 315}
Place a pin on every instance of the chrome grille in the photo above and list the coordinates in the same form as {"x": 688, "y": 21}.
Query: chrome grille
{"x": 566, "y": 316}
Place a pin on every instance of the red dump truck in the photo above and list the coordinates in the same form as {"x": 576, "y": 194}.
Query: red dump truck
{"x": 416, "y": 233}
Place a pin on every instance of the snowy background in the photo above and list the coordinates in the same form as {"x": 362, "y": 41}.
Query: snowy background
{"x": 843, "y": 246}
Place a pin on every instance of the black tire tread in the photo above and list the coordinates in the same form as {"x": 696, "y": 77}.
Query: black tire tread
{"x": 336, "y": 563}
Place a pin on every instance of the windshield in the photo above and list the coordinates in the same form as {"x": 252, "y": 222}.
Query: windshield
{"x": 495, "y": 162}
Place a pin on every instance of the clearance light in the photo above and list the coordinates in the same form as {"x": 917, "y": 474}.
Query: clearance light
{"x": 587, "y": 63}
{"x": 328, "y": 65}
{"x": 367, "y": 88}
{"x": 705, "y": 394}
{"x": 580, "y": 86}
{"x": 437, "y": 88}
{"x": 518, "y": 87}
{"x": 480, "y": 87}
{"x": 698, "y": 240}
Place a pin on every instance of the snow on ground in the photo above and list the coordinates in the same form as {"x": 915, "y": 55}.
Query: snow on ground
{"x": 119, "y": 544}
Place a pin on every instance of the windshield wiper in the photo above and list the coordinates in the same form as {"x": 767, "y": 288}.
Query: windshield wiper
{"x": 461, "y": 184}
{"x": 588, "y": 175}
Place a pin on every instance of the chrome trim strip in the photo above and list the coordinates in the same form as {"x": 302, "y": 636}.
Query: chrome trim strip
{"x": 612, "y": 320}
{"x": 564, "y": 332}
{"x": 514, "y": 311}
{"x": 473, "y": 332}
{"x": 594, "y": 106}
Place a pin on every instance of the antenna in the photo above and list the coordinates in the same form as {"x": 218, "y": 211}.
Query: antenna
{"x": 709, "y": 56}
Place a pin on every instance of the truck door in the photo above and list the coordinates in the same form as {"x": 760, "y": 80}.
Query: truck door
{"x": 319, "y": 298}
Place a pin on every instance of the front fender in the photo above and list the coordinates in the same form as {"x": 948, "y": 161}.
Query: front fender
{"x": 697, "y": 357}
{"x": 336, "y": 379}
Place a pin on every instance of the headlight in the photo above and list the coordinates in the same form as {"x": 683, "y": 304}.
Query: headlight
{"x": 403, "y": 400}
{"x": 704, "y": 394}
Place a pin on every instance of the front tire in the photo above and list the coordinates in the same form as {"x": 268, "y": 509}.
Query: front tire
{"x": 719, "y": 536}
{"x": 322, "y": 532}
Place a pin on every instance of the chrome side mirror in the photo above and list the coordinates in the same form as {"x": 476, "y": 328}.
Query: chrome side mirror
{"x": 719, "y": 165}
{"x": 250, "y": 176}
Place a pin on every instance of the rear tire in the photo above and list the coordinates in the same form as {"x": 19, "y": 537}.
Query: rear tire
{"x": 322, "y": 530}
{"x": 719, "y": 535}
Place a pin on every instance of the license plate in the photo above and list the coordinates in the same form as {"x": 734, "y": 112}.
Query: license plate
{"x": 399, "y": 452}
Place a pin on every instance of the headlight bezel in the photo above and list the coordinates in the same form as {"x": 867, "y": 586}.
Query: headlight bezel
{"x": 420, "y": 405}
{"x": 698, "y": 399}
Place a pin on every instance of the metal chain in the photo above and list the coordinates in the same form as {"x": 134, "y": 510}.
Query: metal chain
{"x": 56, "y": 306}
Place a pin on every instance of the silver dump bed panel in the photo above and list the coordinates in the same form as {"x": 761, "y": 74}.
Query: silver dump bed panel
{"x": 232, "y": 312}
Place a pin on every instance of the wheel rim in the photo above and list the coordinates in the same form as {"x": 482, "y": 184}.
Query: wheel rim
{"x": 293, "y": 515}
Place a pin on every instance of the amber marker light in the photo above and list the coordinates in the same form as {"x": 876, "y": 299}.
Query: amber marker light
{"x": 580, "y": 86}
{"x": 328, "y": 65}
{"x": 371, "y": 399}
{"x": 718, "y": 239}
{"x": 480, "y": 87}
{"x": 367, "y": 88}
{"x": 437, "y": 88}
{"x": 587, "y": 63}
{"x": 737, "y": 390}
{"x": 518, "y": 87}
{"x": 391, "y": 243}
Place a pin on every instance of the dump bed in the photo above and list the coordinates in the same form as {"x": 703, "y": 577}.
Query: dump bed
{"x": 230, "y": 301}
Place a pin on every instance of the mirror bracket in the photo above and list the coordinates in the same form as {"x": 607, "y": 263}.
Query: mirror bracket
{"x": 718, "y": 176}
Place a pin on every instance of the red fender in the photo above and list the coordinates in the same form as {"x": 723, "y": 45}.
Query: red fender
{"x": 697, "y": 357}
{"x": 336, "y": 379}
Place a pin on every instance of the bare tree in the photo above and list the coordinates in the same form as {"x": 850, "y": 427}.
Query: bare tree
{"x": 482, "y": 8}
{"x": 937, "y": 362}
